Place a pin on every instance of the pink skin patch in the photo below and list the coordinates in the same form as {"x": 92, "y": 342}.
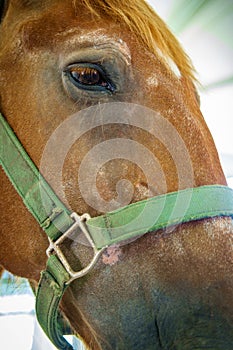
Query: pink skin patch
{"x": 111, "y": 255}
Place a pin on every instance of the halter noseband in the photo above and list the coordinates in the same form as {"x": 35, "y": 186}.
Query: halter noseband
{"x": 125, "y": 223}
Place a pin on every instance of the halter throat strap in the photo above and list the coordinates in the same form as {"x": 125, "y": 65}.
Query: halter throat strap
{"x": 115, "y": 227}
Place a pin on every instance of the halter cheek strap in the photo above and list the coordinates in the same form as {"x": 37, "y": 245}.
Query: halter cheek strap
{"x": 126, "y": 223}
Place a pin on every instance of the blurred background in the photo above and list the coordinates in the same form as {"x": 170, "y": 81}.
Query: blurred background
{"x": 205, "y": 29}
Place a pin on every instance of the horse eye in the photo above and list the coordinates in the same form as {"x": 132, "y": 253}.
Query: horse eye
{"x": 89, "y": 77}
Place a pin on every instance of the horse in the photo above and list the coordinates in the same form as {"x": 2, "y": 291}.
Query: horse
{"x": 172, "y": 287}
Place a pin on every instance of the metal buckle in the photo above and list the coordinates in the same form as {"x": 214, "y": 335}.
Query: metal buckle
{"x": 79, "y": 221}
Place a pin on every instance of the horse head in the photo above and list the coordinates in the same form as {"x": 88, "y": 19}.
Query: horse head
{"x": 103, "y": 99}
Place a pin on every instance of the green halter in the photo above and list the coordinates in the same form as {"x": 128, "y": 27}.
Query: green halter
{"x": 126, "y": 223}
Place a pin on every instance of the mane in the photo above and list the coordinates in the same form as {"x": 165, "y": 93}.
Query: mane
{"x": 148, "y": 26}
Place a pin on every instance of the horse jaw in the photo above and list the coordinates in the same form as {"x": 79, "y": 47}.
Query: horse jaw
{"x": 186, "y": 271}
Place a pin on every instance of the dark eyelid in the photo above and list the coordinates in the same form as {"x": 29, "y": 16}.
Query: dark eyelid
{"x": 110, "y": 87}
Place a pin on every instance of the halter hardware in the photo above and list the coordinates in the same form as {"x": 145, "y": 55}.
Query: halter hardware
{"x": 79, "y": 223}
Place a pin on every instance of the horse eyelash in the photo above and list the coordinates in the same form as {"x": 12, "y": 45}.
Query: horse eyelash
{"x": 110, "y": 85}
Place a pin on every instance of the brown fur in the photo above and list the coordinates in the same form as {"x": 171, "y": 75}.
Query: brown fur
{"x": 183, "y": 264}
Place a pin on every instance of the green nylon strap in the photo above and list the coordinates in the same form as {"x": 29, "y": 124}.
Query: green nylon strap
{"x": 50, "y": 291}
{"x": 161, "y": 212}
{"x": 126, "y": 223}
{"x": 52, "y": 216}
{"x": 37, "y": 195}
